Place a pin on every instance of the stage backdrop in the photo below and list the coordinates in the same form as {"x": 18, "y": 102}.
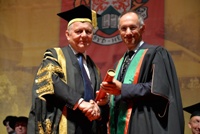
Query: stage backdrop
{"x": 28, "y": 28}
{"x": 107, "y": 45}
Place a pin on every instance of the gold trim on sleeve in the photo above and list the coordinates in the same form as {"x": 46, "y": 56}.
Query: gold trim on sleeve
{"x": 63, "y": 120}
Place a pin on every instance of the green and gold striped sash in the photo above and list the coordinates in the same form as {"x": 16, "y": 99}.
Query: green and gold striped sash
{"x": 131, "y": 76}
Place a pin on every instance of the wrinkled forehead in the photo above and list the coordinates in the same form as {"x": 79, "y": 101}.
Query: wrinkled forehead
{"x": 80, "y": 25}
{"x": 129, "y": 18}
{"x": 195, "y": 117}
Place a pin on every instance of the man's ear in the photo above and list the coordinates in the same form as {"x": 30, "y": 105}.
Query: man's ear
{"x": 189, "y": 125}
{"x": 67, "y": 34}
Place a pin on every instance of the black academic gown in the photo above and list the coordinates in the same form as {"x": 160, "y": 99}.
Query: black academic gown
{"x": 57, "y": 88}
{"x": 155, "y": 99}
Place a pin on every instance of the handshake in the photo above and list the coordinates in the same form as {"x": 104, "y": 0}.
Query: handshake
{"x": 90, "y": 109}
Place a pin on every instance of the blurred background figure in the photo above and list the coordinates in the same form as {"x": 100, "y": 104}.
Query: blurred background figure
{"x": 9, "y": 123}
{"x": 21, "y": 125}
{"x": 194, "y": 123}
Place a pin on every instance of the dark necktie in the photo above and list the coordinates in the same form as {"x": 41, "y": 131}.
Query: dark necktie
{"x": 125, "y": 64}
{"x": 88, "y": 91}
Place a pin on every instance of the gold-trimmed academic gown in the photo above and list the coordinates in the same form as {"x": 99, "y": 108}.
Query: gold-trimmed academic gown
{"x": 57, "y": 88}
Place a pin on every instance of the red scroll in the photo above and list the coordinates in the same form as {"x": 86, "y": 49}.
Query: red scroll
{"x": 108, "y": 78}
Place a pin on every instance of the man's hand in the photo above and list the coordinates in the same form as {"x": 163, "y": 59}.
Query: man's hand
{"x": 113, "y": 87}
{"x": 90, "y": 109}
{"x": 104, "y": 100}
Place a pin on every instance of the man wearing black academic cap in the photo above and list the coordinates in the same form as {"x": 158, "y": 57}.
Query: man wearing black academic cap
{"x": 66, "y": 83}
{"x": 194, "y": 123}
{"x": 21, "y": 125}
{"x": 9, "y": 123}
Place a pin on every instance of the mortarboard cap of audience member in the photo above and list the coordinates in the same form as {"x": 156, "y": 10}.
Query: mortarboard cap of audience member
{"x": 80, "y": 14}
{"x": 194, "y": 110}
{"x": 11, "y": 120}
{"x": 22, "y": 119}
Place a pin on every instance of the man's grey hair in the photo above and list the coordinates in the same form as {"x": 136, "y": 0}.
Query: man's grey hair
{"x": 140, "y": 18}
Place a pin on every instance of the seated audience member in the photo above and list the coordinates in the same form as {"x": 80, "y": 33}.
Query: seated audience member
{"x": 21, "y": 125}
{"x": 9, "y": 123}
{"x": 194, "y": 123}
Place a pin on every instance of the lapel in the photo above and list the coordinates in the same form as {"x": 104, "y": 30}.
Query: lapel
{"x": 71, "y": 58}
{"x": 73, "y": 69}
{"x": 92, "y": 71}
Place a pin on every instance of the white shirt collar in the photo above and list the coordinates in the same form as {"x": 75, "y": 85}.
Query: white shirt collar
{"x": 138, "y": 46}
{"x": 75, "y": 52}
